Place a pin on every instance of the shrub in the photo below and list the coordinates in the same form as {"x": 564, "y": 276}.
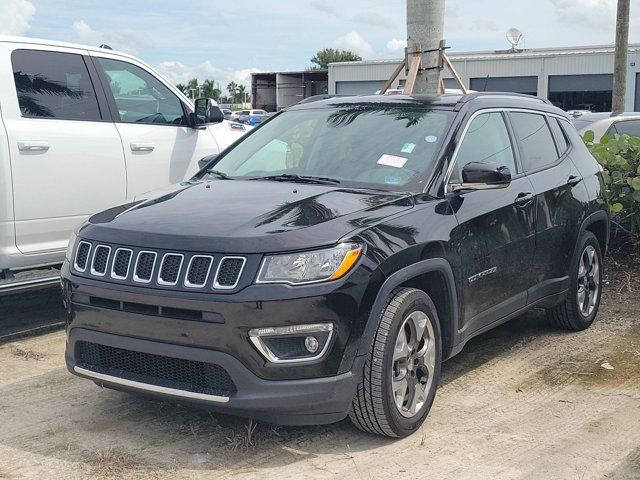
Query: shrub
{"x": 619, "y": 155}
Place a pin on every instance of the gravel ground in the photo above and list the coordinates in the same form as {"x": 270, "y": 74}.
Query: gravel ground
{"x": 524, "y": 401}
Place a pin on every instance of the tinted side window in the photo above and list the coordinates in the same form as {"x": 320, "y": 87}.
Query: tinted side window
{"x": 628, "y": 127}
{"x": 561, "y": 139}
{"x": 140, "y": 97}
{"x": 54, "y": 85}
{"x": 486, "y": 140}
{"x": 535, "y": 139}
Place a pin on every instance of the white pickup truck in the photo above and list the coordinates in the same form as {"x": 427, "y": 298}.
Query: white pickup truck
{"x": 83, "y": 129}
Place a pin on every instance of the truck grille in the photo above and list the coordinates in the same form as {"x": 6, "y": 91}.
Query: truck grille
{"x": 160, "y": 269}
{"x": 176, "y": 373}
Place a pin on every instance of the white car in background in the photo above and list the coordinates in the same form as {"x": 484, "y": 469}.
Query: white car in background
{"x": 83, "y": 129}
{"x": 606, "y": 123}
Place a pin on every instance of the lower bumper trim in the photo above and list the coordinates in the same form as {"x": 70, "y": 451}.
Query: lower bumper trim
{"x": 148, "y": 387}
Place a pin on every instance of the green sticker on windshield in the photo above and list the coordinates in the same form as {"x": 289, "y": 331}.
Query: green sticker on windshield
{"x": 408, "y": 148}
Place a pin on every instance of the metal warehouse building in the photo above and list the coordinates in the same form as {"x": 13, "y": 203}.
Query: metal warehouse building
{"x": 278, "y": 90}
{"x": 571, "y": 77}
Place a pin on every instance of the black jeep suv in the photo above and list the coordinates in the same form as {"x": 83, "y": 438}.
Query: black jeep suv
{"x": 327, "y": 263}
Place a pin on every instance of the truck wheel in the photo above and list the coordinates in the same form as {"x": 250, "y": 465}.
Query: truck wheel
{"x": 580, "y": 308}
{"x": 402, "y": 370}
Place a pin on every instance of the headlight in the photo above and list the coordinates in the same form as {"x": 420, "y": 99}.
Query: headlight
{"x": 72, "y": 243}
{"x": 308, "y": 267}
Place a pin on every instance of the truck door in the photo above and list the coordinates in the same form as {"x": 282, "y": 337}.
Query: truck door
{"x": 66, "y": 155}
{"x": 159, "y": 146}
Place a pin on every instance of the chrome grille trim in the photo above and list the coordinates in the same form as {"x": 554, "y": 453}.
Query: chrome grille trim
{"x": 93, "y": 260}
{"x": 216, "y": 285}
{"x": 153, "y": 266}
{"x": 187, "y": 283}
{"x": 115, "y": 258}
{"x": 164, "y": 258}
{"x": 75, "y": 261}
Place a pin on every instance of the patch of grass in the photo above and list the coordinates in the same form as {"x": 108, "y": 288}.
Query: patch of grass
{"x": 26, "y": 353}
{"x": 110, "y": 463}
{"x": 244, "y": 439}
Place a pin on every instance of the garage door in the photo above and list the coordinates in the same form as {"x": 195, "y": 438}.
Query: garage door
{"x": 582, "y": 92}
{"x": 359, "y": 88}
{"x": 637, "y": 101}
{"x": 528, "y": 85}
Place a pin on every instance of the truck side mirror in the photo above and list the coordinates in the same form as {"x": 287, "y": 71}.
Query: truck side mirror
{"x": 206, "y": 112}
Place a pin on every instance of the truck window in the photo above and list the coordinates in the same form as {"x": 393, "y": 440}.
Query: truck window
{"x": 54, "y": 85}
{"x": 140, "y": 97}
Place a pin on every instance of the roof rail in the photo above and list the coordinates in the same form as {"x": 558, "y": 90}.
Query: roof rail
{"x": 473, "y": 95}
{"x": 317, "y": 98}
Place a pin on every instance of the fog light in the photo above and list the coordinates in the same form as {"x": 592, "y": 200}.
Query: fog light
{"x": 296, "y": 343}
{"x": 312, "y": 344}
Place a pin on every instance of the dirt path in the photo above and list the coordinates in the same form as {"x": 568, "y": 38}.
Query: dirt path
{"x": 524, "y": 401}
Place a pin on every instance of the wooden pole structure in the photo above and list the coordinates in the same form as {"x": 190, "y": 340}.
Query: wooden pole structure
{"x": 620, "y": 63}
{"x": 425, "y": 27}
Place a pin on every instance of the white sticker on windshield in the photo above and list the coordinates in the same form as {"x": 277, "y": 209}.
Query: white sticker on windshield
{"x": 392, "y": 161}
{"x": 431, "y": 139}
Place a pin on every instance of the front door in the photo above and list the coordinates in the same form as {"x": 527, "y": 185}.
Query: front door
{"x": 66, "y": 155}
{"x": 159, "y": 146}
{"x": 495, "y": 236}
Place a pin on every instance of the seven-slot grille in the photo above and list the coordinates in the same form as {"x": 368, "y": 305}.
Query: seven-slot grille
{"x": 190, "y": 272}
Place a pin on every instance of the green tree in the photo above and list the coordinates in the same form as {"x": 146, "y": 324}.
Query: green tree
{"x": 323, "y": 58}
{"x": 210, "y": 90}
{"x": 242, "y": 90}
{"x": 232, "y": 88}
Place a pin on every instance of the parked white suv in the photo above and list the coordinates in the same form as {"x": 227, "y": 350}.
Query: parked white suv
{"x": 83, "y": 129}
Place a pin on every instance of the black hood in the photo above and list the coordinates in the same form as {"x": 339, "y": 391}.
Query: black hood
{"x": 245, "y": 216}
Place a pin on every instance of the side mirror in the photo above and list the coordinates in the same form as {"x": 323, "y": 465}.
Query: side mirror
{"x": 203, "y": 162}
{"x": 206, "y": 112}
{"x": 483, "y": 176}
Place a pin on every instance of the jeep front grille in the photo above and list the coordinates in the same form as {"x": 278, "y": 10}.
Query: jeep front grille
{"x": 100, "y": 260}
{"x": 144, "y": 266}
{"x": 161, "y": 269}
{"x": 82, "y": 256}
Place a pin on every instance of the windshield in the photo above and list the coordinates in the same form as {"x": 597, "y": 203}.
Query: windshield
{"x": 377, "y": 146}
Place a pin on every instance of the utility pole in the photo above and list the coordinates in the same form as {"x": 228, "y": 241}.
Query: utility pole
{"x": 425, "y": 27}
{"x": 622, "y": 50}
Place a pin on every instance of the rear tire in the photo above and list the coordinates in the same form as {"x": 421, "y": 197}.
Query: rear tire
{"x": 578, "y": 311}
{"x": 402, "y": 370}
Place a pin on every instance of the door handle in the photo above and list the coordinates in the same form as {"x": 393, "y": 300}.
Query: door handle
{"x": 574, "y": 180}
{"x": 523, "y": 199}
{"x": 33, "y": 146}
{"x": 142, "y": 147}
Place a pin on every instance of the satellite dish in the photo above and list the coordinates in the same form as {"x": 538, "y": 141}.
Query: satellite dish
{"x": 515, "y": 37}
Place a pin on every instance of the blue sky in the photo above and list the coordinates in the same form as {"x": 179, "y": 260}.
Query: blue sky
{"x": 227, "y": 40}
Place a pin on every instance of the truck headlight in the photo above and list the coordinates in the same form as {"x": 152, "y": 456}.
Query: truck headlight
{"x": 72, "y": 244}
{"x": 310, "y": 267}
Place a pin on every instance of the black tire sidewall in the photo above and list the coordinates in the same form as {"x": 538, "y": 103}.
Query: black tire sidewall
{"x": 417, "y": 300}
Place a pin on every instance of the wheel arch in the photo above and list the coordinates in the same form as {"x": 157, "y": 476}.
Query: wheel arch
{"x": 435, "y": 277}
{"x": 598, "y": 223}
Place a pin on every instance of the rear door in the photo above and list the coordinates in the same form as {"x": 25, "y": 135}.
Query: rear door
{"x": 160, "y": 148}
{"x": 495, "y": 236}
{"x": 559, "y": 196}
{"x": 66, "y": 155}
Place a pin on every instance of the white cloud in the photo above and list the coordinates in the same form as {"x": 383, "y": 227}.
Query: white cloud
{"x": 178, "y": 72}
{"x": 593, "y": 13}
{"x": 16, "y": 16}
{"x": 125, "y": 40}
{"x": 353, "y": 42}
{"x": 373, "y": 19}
{"x": 395, "y": 48}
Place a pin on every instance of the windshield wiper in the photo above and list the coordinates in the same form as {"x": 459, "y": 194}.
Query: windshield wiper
{"x": 220, "y": 175}
{"x": 287, "y": 177}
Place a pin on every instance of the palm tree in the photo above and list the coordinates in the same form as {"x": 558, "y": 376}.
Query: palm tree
{"x": 242, "y": 91}
{"x": 232, "y": 88}
{"x": 210, "y": 90}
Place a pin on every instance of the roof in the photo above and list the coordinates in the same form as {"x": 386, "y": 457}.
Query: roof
{"x": 447, "y": 100}
{"x": 508, "y": 54}
{"x": 53, "y": 43}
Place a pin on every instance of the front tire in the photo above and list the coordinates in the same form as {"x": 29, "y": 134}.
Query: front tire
{"x": 402, "y": 370}
{"x": 581, "y": 306}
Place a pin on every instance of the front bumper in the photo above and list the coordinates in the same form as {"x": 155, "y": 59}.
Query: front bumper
{"x": 286, "y": 402}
